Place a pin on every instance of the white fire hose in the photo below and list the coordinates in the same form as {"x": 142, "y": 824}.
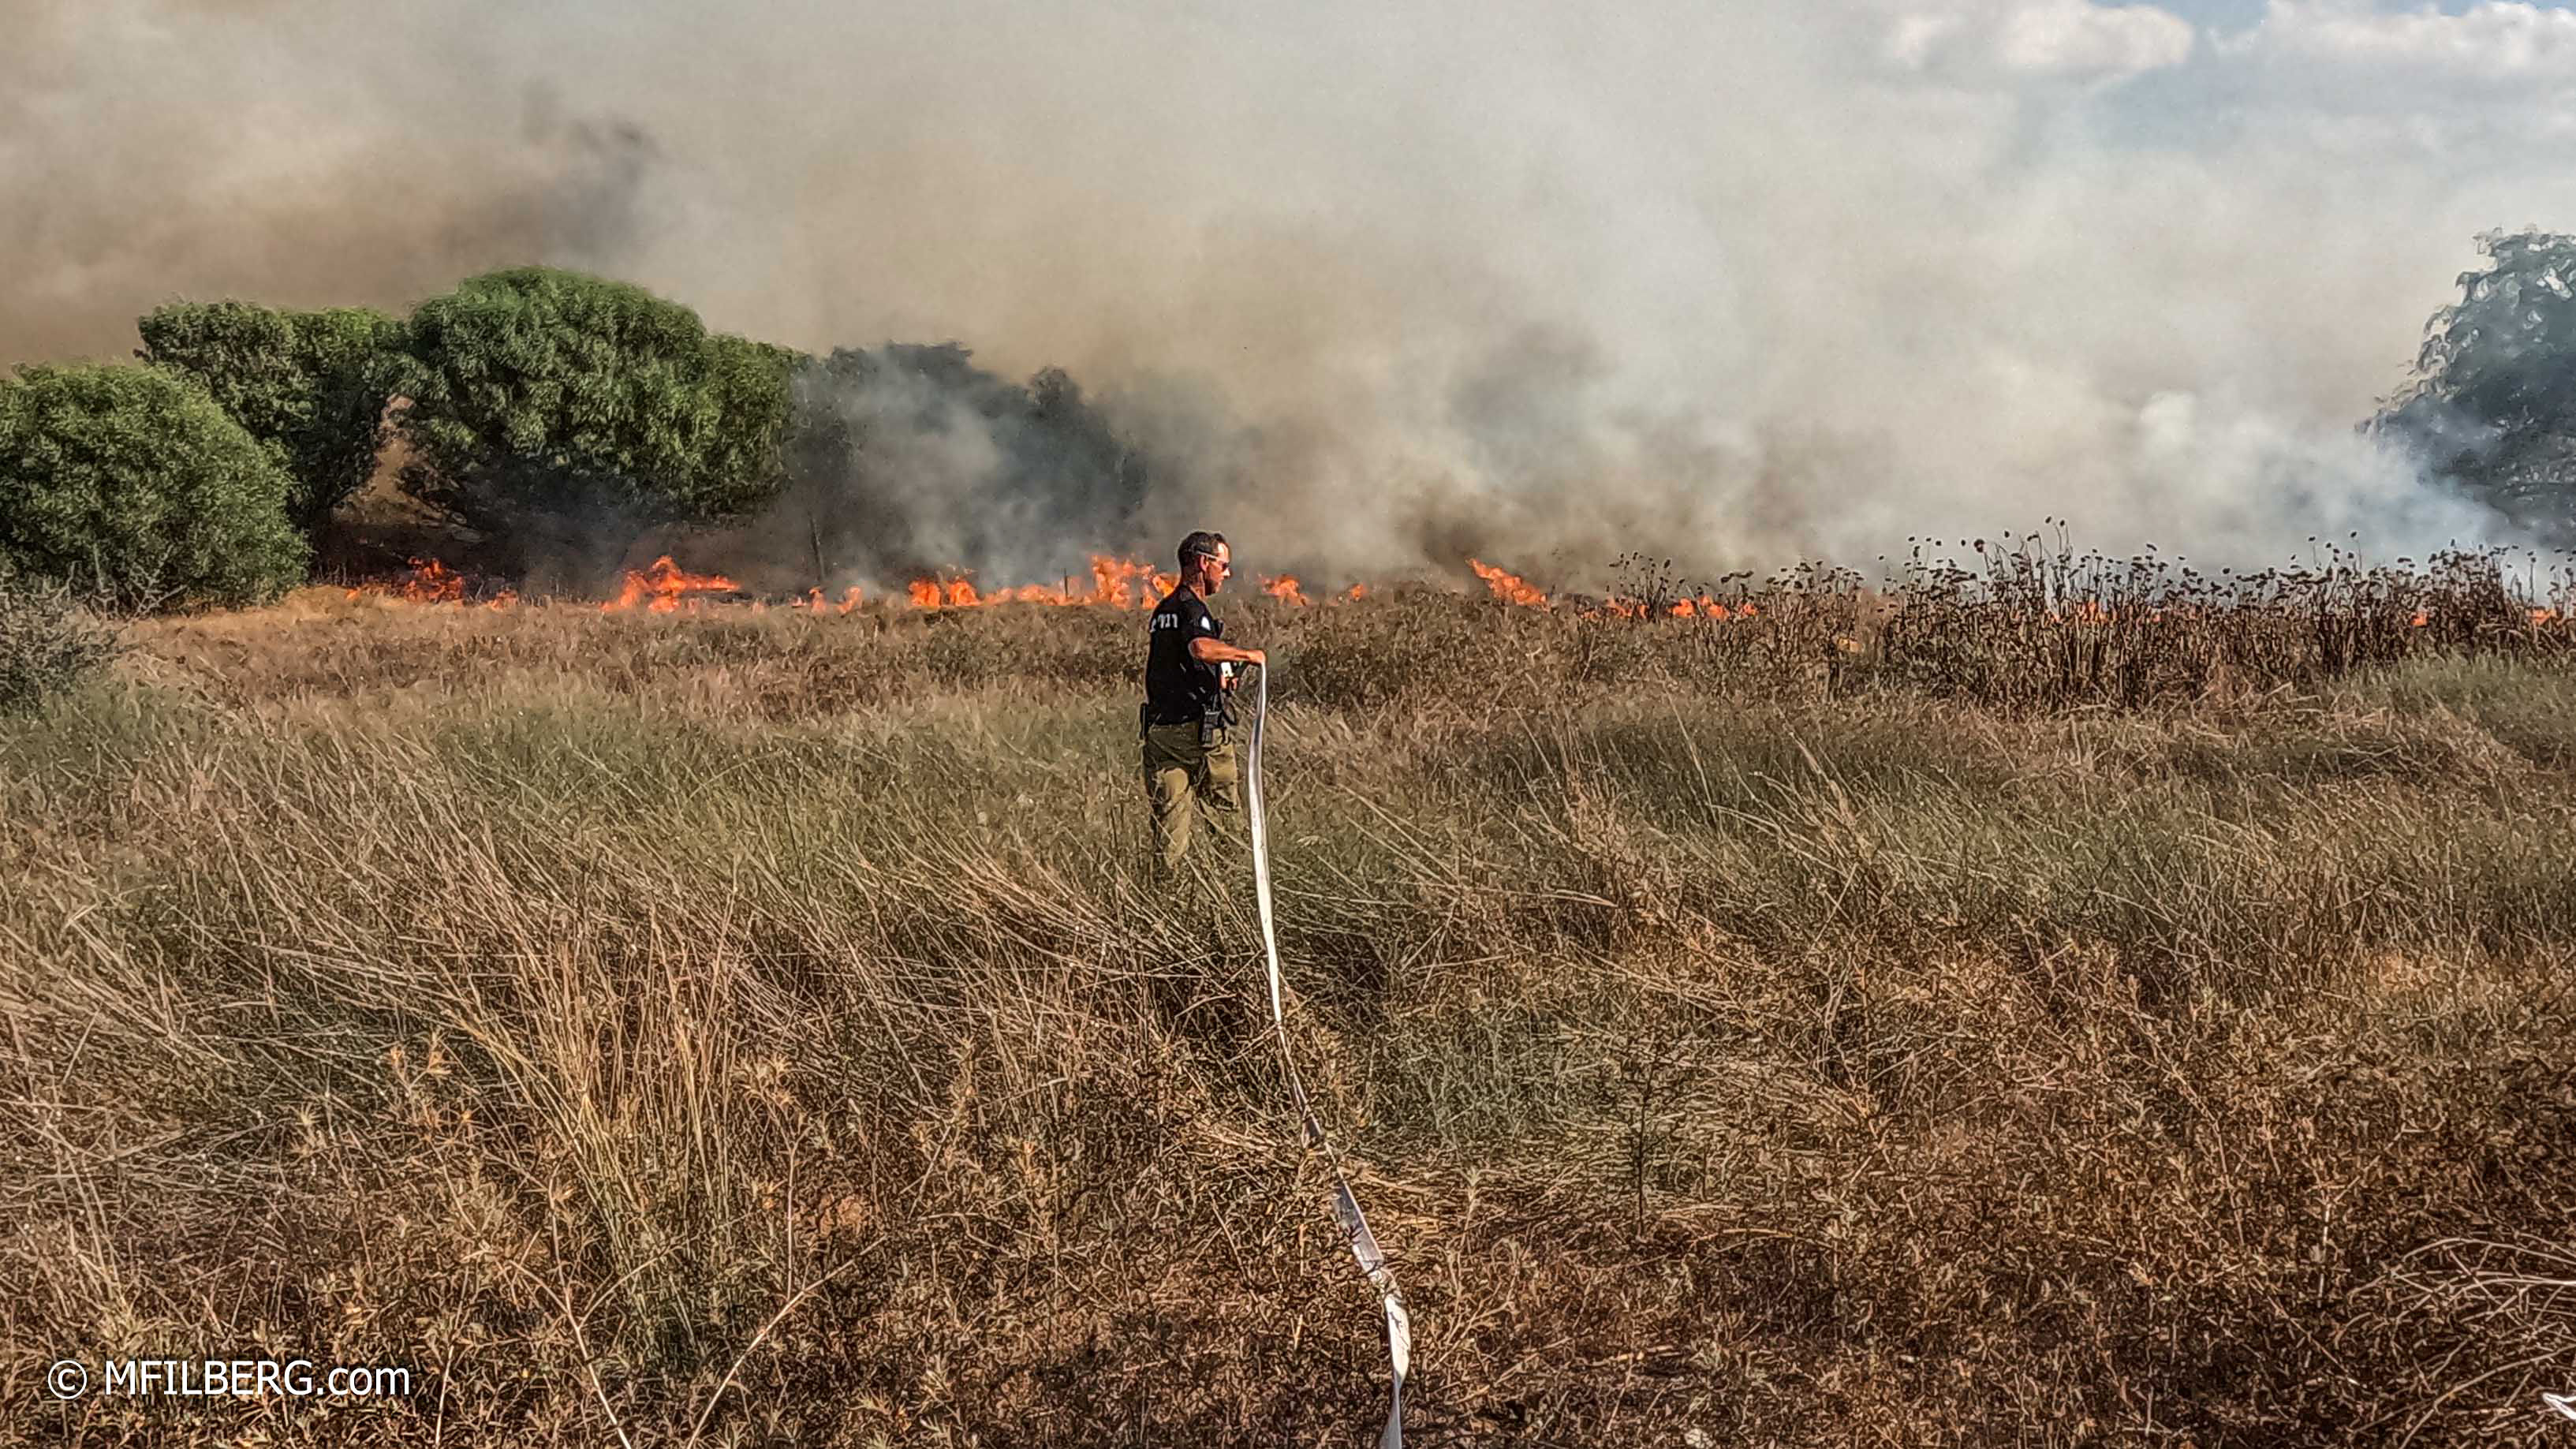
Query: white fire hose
{"x": 1346, "y": 1206}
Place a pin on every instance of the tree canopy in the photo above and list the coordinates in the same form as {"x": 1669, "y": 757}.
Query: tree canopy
{"x": 130, "y": 485}
{"x": 309, "y": 387}
{"x": 580, "y": 411}
{"x": 2492, "y": 404}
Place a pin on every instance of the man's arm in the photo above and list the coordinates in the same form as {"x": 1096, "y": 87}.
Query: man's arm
{"x": 1216, "y": 651}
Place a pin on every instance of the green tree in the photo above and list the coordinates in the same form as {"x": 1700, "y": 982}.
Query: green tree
{"x": 310, "y": 387}
{"x": 2492, "y": 404}
{"x": 563, "y": 414}
{"x": 130, "y": 486}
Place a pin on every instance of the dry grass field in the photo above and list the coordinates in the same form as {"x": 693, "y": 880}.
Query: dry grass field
{"x": 1877, "y": 1020}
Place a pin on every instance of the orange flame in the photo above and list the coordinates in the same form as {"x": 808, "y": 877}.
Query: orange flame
{"x": 1284, "y": 588}
{"x": 814, "y": 602}
{"x": 1705, "y": 607}
{"x": 1509, "y": 588}
{"x": 2421, "y": 619}
{"x": 663, "y": 586}
{"x": 1117, "y": 582}
{"x": 1358, "y": 591}
{"x": 1113, "y": 578}
{"x": 430, "y": 582}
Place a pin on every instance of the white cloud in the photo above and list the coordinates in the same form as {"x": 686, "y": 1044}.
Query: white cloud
{"x": 2487, "y": 43}
{"x": 2489, "y": 91}
{"x": 2040, "y": 39}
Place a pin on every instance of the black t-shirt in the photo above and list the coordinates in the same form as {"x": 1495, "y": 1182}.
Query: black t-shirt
{"x": 1179, "y": 689}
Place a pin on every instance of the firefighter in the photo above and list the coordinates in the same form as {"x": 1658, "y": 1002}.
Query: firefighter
{"x": 1185, "y": 722}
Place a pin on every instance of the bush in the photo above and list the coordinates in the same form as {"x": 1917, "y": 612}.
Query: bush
{"x": 46, "y": 645}
{"x": 309, "y": 386}
{"x": 132, "y": 486}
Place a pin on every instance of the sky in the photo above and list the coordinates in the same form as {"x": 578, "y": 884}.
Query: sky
{"x": 2239, "y": 14}
{"x": 1391, "y": 282}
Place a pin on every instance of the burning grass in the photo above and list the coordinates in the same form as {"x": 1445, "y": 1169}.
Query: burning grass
{"x": 758, "y": 1023}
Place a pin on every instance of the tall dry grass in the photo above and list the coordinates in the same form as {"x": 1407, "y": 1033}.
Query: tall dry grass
{"x": 738, "y": 1029}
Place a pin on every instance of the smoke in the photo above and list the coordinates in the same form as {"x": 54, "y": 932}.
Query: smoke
{"x": 283, "y": 152}
{"x": 909, "y": 461}
{"x": 1370, "y": 287}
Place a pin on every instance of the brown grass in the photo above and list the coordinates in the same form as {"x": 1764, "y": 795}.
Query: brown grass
{"x": 758, "y": 1029}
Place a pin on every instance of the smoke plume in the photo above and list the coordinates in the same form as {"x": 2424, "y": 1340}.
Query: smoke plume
{"x": 908, "y": 461}
{"x": 1370, "y": 287}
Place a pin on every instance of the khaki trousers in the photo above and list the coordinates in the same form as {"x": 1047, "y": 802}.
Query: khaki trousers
{"x": 1177, "y": 768}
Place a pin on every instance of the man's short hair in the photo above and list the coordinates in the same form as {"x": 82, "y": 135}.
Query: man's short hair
{"x": 1201, "y": 542}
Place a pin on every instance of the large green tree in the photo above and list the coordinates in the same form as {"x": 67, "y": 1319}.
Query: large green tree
{"x": 132, "y": 487}
{"x": 2492, "y": 404}
{"x": 562, "y": 414}
{"x": 311, "y": 387}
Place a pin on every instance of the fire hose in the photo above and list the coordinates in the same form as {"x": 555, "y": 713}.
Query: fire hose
{"x": 1346, "y": 1205}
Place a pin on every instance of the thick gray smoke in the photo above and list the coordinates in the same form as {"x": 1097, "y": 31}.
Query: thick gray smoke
{"x": 1374, "y": 286}
{"x": 297, "y": 154}
{"x": 909, "y": 462}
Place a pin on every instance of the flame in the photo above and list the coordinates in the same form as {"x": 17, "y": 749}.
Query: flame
{"x": 430, "y": 582}
{"x": 1509, "y": 588}
{"x": 1284, "y": 588}
{"x": 1119, "y": 583}
{"x": 949, "y": 593}
{"x": 1705, "y": 607}
{"x": 1513, "y": 589}
{"x": 2544, "y": 616}
{"x": 1112, "y": 578}
{"x": 663, "y": 586}
{"x": 2421, "y": 619}
{"x": 814, "y": 602}
{"x": 1358, "y": 592}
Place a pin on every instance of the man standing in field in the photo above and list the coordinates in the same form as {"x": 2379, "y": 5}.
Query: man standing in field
{"x": 1185, "y": 722}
